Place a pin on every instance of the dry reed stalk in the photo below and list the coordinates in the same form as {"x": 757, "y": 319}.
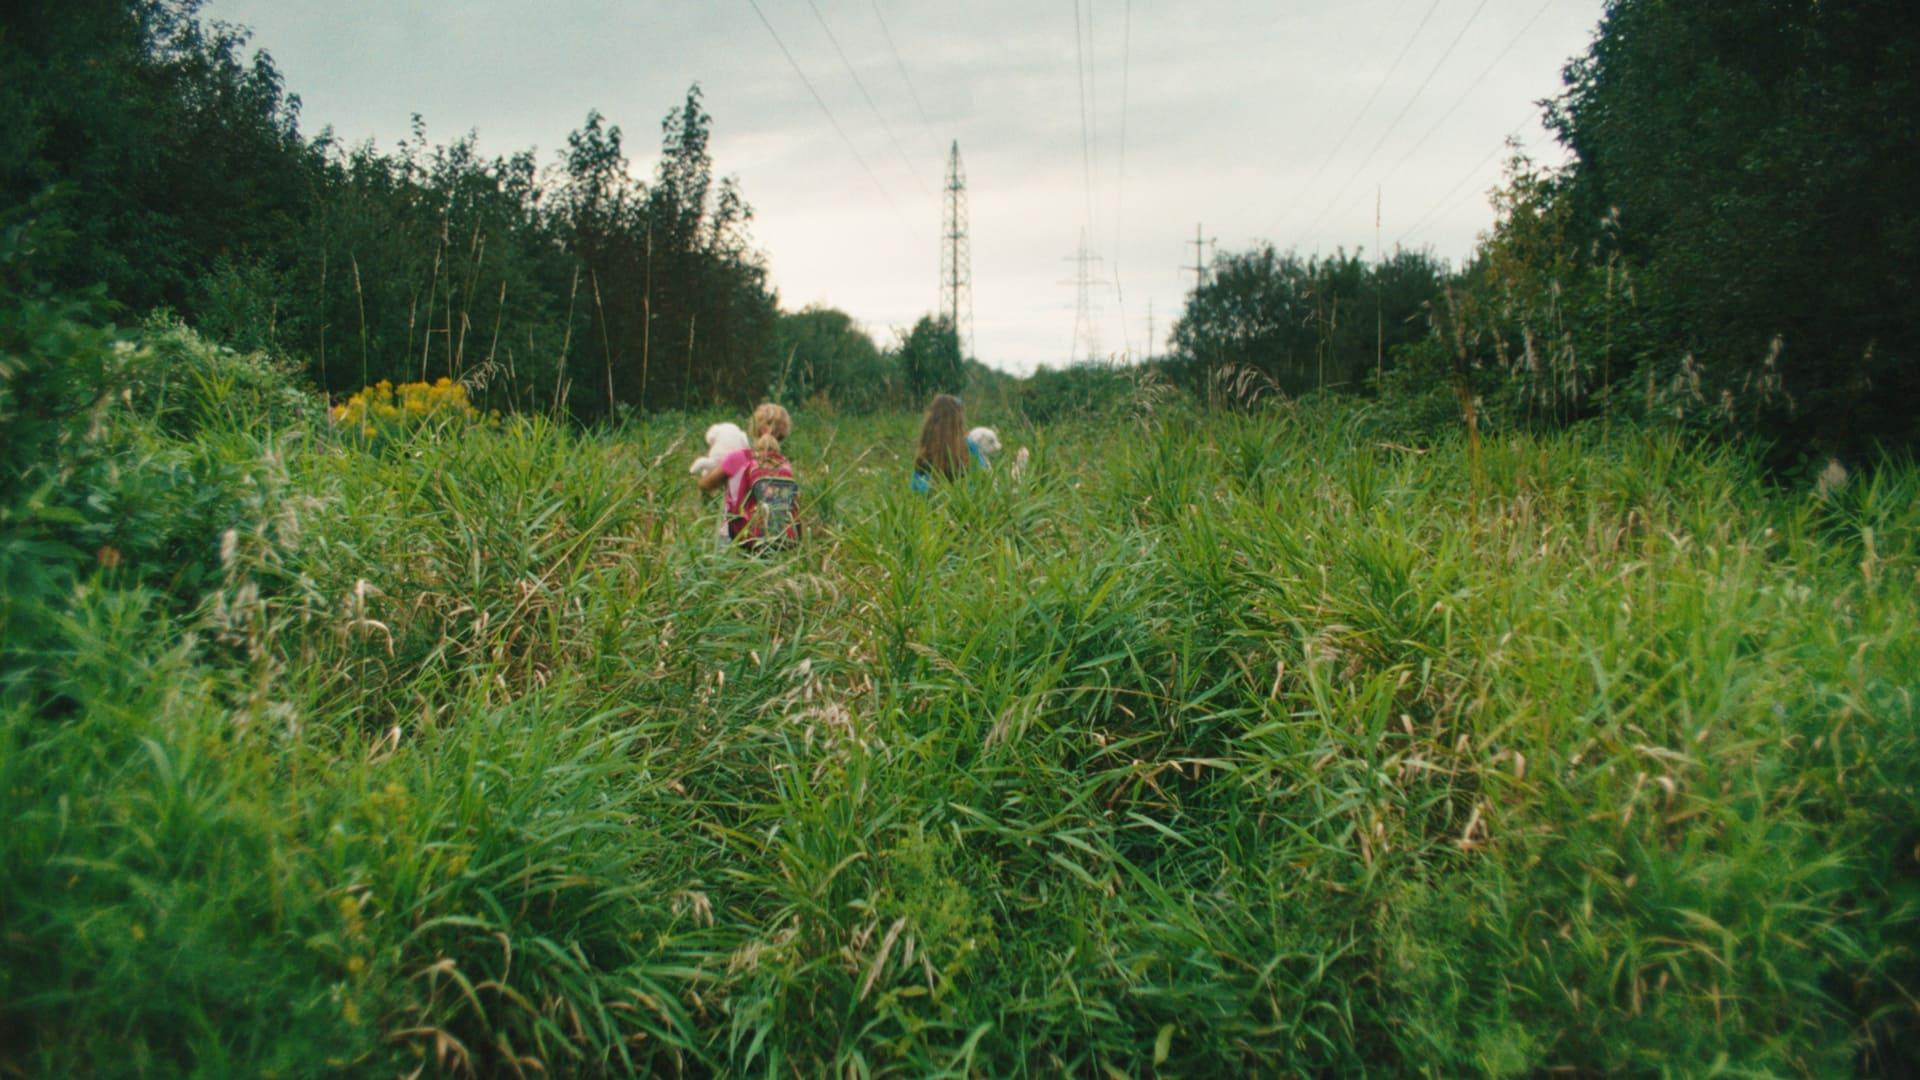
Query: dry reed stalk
{"x": 323, "y": 321}
{"x": 476, "y": 254}
{"x": 426, "y": 339}
{"x": 360, "y": 298}
{"x": 566, "y": 343}
{"x": 692, "y": 322}
{"x": 1462, "y": 389}
{"x": 413, "y": 310}
{"x": 646, "y": 311}
{"x": 606, "y": 347}
{"x": 446, "y": 330}
{"x": 494, "y": 345}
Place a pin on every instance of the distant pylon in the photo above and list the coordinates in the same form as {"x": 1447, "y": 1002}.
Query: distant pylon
{"x": 1086, "y": 331}
{"x": 956, "y": 256}
{"x": 1199, "y": 267}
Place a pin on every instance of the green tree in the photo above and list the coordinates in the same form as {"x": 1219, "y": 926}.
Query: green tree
{"x": 824, "y": 353}
{"x": 929, "y": 357}
{"x": 1305, "y": 324}
{"x": 674, "y": 294}
{"x": 1758, "y": 159}
{"x": 173, "y": 147}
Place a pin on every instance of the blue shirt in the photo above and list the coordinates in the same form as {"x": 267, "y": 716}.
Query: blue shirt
{"x": 922, "y": 483}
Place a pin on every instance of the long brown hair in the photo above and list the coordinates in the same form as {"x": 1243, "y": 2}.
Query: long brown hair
{"x": 770, "y": 424}
{"x": 943, "y": 438}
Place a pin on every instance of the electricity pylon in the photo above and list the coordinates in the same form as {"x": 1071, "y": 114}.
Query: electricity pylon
{"x": 956, "y": 257}
{"x": 1086, "y": 330}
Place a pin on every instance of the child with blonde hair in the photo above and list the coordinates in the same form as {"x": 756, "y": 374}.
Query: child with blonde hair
{"x": 760, "y": 488}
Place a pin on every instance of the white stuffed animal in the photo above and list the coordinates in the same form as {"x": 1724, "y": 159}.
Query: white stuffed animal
{"x": 722, "y": 439}
{"x": 988, "y": 441}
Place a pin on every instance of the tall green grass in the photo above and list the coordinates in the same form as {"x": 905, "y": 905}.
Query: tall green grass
{"x": 1213, "y": 743}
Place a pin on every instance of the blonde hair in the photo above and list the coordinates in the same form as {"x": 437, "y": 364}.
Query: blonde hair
{"x": 770, "y": 424}
{"x": 943, "y": 438}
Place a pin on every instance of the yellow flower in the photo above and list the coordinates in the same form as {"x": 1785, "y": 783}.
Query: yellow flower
{"x": 384, "y": 403}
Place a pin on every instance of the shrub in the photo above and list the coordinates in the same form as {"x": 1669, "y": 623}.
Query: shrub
{"x": 187, "y": 384}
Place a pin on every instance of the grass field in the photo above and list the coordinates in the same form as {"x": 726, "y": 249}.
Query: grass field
{"x": 1215, "y": 743}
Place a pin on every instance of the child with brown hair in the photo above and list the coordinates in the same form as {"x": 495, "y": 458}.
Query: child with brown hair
{"x": 945, "y": 450}
{"x": 760, "y": 489}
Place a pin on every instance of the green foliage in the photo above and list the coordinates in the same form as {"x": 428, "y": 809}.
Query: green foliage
{"x": 680, "y": 309}
{"x": 188, "y": 386}
{"x": 1050, "y": 395}
{"x": 826, "y": 359}
{"x": 407, "y": 244}
{"x": 186, "y": 185}
{"x": 157, "y": 918}
{"x": 1744, "y": 160}
{"x": 175, "y": 147}
{"x": 57, "y": 368}
{"x": 1239, "y": 743}
{"x": 1729, "y": 253}
{"x": 929, "y": 359}
{"x": 1302, "y": 325}
{"x": 55, "y": 359}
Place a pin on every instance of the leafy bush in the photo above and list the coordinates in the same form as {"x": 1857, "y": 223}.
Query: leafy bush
{"x": 1304, "y": 324}
{"x": 130, "y": 456}
{"x": 188, "y": 385}
{"x": 1053, "y": 394}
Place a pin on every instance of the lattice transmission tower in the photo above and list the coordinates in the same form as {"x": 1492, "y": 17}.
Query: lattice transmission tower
{"x": 956, "y": 257}
{"x": 1086, "y": 326}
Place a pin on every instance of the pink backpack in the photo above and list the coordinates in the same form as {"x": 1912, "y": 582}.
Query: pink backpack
{"x": 767, "y": 515}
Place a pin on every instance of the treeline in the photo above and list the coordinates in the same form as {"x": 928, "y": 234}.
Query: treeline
{"x": 1298, "y": 325}
{"x": 1733, "y": 247}
{"x": 173, "y": 162}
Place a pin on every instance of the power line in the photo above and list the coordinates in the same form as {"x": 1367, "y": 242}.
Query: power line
{"x": 1464, "y": 94}
{"x": 1424, "y": 83}
{"x": 1384, "y": 135}
{"x": 1126, "y": 63}
{"x": 1511, "y": 142}
{"x": 855, "y": 75}
{"x": 1347, "y": 131}
{"x": 1093, "y": 92}
{"x": 1120, "y": 171}
{"x": 918, "y": 109}
{"x": 831, "y": 119}
{"x": 1080, "y": 83}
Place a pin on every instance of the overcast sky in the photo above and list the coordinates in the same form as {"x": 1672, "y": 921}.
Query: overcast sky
{"x": 1255, "y": 121}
